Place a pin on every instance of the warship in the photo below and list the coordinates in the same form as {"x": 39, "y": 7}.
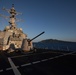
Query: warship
{"x": 12, "y": 38}
{"x": 40, "y": 62}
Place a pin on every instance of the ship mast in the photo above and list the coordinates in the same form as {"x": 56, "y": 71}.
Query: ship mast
{"x": 13, "y": 13}
{"x": 12, "y": 16}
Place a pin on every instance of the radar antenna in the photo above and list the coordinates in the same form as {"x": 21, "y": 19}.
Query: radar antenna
{"x": 12, "y": 16}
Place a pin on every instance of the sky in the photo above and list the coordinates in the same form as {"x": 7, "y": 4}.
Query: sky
{"x": 56, "y": 17}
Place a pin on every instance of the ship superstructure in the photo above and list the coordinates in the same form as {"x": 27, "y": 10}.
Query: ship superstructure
{"x": 12, "y": 36}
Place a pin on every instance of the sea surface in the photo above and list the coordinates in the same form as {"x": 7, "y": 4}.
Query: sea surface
{"x": 66, "y": 46}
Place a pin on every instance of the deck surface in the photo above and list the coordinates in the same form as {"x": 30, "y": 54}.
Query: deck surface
{"x": 45, "y": 63}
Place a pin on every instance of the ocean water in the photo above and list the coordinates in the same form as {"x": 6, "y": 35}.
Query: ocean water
{"x": 66, "y": 46}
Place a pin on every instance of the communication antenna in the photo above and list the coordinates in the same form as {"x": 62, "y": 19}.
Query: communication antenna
{"x": 12, "y": 16}
{"x": 6, "y": 17}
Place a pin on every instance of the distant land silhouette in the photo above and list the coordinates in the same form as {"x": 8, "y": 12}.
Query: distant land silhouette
{"x": 54, "y": 41}
{"x": 55, "y": 44}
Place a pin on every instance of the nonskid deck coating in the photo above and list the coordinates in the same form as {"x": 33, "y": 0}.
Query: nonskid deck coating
{"x": 60, "y": 66}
